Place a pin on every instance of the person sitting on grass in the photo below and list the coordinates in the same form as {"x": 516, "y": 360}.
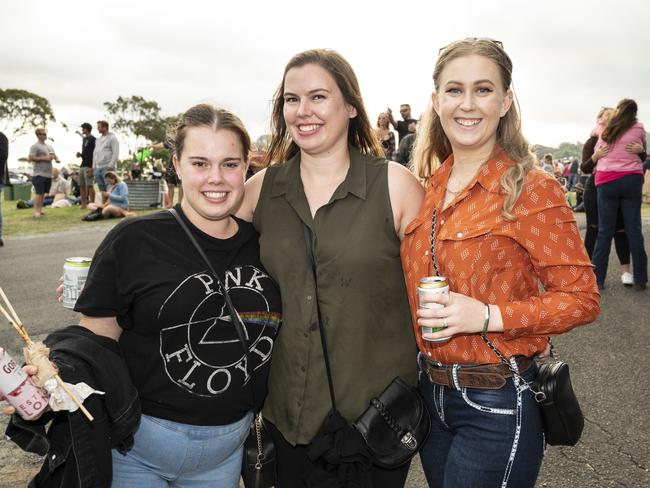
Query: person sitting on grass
{"x": 57, "y": 197}
{"x": 118, "y": 200}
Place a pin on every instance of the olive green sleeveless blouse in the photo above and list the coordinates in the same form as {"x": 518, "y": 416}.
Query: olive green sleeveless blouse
{"x": 360, "y": 287}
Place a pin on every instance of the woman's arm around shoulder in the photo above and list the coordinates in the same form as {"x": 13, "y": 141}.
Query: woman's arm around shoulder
{"x": 406, "y": 195}
{"x": 252, "y": 190}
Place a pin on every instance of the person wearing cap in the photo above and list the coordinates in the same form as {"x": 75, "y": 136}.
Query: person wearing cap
{"x": 41, "y": 155}
{"x": 86, "y": 180}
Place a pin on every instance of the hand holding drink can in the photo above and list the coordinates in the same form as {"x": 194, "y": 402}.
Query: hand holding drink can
{"x": 75, "y": 272}
{"x": 431, "y": 285}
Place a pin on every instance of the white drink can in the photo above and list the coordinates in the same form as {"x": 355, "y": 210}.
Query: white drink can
{"x": 18, "y": 390}
{"x": 429, "y": 285}
{"x": 75, "y": 272}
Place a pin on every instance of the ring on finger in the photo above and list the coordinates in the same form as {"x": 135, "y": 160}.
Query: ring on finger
{"x": 444, "y": 323}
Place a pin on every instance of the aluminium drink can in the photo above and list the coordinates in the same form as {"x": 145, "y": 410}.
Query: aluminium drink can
{"x": 75, "y": 272}
{"x": 18, "y": 389}
{"x": 429, "y": 285}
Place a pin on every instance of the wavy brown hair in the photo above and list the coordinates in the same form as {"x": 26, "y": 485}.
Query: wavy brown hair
{"x": 360, "y": 132}
{"x": 432, "y": 147}
{"x": 624, "y": 117}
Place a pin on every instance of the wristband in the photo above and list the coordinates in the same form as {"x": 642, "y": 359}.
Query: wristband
{"x": 486, "y": 322}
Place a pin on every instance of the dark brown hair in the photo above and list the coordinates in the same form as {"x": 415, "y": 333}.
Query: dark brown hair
{"x": 204, "y": 115}
{"x": 103, "y": 123}
{"x": 624, "y": 117}
{"x": 360, "y": 132}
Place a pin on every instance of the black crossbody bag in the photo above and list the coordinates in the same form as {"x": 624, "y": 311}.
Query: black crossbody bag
{"x": 396, "y": 424}
{"x": 259, "y": 463}
{"x": 561, "y": 413}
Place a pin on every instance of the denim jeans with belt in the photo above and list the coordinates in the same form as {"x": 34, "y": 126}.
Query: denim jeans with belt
{"x": 624, "y": 194}
{"x": 169, "y": 454}
{"x": 483, "y": 438}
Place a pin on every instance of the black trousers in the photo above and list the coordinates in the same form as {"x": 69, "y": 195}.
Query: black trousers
{"x": 591, "y": 232}
{"x": 293, "y": 464}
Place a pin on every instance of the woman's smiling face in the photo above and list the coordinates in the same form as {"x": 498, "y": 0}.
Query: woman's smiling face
{"x": 470, "y": 102}
{"x": 212, "y": 168}
{"x": 316, "y": 114}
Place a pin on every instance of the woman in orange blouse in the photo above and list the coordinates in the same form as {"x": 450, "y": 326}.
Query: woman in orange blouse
{"x": 502, "y": 227}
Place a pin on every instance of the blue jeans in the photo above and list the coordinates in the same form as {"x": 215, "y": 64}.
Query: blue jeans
{"x": 482, "y": 438}
{"x": 624, "y": 194}
{"x": 99, "y": 174}
{"x": 168, "y": 454}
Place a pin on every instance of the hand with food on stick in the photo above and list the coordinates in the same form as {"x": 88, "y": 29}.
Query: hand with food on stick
{"x": 41, "y": 371}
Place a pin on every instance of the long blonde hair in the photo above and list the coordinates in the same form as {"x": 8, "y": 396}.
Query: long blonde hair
{"x": 432, "y": 147}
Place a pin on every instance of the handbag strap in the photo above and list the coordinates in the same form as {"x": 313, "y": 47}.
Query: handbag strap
{"x": 310, "y": 254}
{"x": 239, "y": 326}
{"x": 434, "y": 261}
{"x": 539, "y": 395}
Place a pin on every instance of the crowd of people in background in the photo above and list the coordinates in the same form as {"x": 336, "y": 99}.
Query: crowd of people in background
{"x": 96, "y": 183}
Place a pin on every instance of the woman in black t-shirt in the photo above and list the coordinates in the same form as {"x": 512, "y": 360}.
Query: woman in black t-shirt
{"x": 149, "y": 289}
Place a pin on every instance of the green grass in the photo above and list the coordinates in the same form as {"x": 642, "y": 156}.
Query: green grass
{"x": 20, "y": 222}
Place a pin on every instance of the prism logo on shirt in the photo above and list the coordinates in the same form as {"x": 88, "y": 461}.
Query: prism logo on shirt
{"x": 203, "y": 354}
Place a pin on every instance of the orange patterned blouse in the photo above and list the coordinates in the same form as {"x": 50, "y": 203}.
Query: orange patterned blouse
{"x": 502, "y": 262}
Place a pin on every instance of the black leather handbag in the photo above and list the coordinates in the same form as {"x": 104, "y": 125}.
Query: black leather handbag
{"x": 561, "y": 413}
{"x": 259, "y": 464}
{"x": 395, "y": 425}
{"x": 563, "y": 418}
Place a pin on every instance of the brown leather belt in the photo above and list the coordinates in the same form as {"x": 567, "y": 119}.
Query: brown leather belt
{"x": 488, "y": 376}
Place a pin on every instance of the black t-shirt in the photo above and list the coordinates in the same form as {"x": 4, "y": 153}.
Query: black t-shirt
{"x": 87, "y": 148}
{"x": 179, "y": 341}
{"x": 403, "y": 127}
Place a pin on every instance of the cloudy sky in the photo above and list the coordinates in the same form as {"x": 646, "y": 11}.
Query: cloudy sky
{"x": 570, "y": 56}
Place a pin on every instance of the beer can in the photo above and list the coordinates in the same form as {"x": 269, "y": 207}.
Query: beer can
{"x": 18, "y": 390}
{"x": 75, "y": 272}
{"x": 429, "y": 285}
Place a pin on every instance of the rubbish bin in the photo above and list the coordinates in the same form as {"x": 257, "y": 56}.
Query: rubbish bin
{"x": 22, "y": 192}
{"x": 8, "y": 192}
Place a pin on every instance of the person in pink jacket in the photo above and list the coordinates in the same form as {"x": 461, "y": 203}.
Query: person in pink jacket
{"x": 619, "y": 182}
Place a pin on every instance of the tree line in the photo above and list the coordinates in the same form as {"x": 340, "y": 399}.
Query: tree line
{"x": 141, "y": 123}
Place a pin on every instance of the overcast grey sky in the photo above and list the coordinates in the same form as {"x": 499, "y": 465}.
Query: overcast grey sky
{"x": 570, "y": 56}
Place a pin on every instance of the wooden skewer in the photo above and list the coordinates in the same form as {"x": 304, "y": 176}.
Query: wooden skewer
{"x": 20, "y": 328}
{"x": 18, "y": 325}
{"x": 15, "y": 325}
{"x": 11, "y": 309}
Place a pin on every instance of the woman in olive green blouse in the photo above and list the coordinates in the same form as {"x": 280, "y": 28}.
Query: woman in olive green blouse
{"x": 331, "y": 176}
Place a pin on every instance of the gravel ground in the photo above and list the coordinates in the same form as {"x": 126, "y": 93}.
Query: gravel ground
{"x": 609, "y": 360}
